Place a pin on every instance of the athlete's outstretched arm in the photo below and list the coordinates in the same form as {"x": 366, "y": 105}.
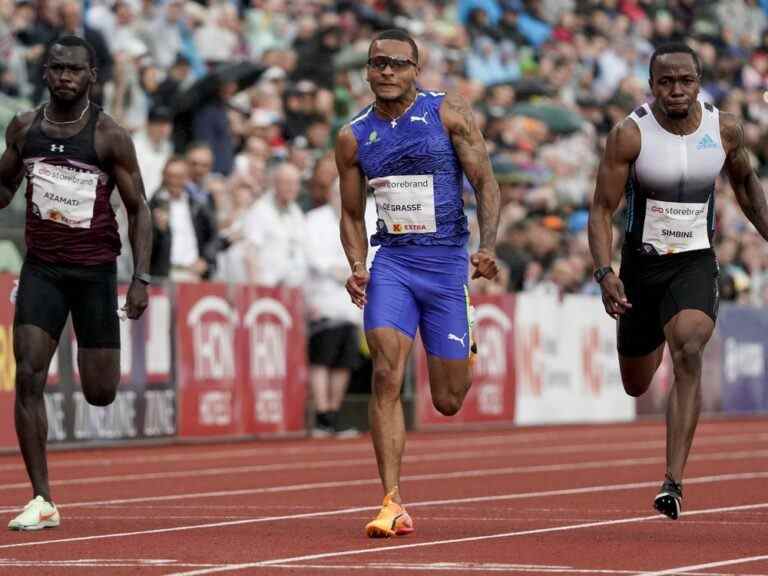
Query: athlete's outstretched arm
{"x": 621, "y": 149}
{"x": 352, "y": 227}
{"x": 130, "y": 185}
{"x": 744, "y": 181}
{"x": 469, "y": 144}
{"x": 11, "y": 166}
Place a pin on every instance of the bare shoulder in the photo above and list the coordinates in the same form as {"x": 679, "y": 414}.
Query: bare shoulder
{"x": 624, "y": 141}
{"x": 109, "y": 127}
{"x": 17, "y": 129}
{"x": 455, "y": 110}
{"x": 112, "y": 140}
{"x": 346, "y": 146}
{"x": 454, "y": 103}
{"x": 731, "y": 131}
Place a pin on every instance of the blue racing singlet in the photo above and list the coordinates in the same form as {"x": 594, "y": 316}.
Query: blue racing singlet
{"x": 416, "y": 176}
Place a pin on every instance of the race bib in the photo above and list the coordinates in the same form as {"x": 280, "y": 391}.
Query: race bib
{"x": 406, "y": 204}
{"x": 676, "y": 226}
{"x": 63, "y": 194}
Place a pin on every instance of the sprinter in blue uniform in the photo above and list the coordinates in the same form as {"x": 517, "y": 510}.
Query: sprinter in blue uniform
{"x": 412, "y": 148}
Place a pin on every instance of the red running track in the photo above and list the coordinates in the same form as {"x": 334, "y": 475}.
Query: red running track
{"x": 567, "y": 500}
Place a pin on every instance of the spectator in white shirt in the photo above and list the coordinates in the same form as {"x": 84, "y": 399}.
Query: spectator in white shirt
{"x": 185, "y": 237}
{"x": 153, "y": 148}
{"x": 274, "y": 229}
{"x": 334, "y": 322}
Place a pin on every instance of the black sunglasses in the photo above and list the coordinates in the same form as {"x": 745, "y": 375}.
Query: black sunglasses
{"x": 396, "y": 63}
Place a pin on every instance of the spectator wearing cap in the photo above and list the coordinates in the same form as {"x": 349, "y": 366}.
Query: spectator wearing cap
{"x": 178, "y": 78}
{"x": 153, "y": 148}
{"x": 300, "y": 108}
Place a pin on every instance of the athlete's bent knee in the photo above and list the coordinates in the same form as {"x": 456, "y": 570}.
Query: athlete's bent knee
{"x": 635, "y": 386}
{"x": 448, "y": 404}
{"x": 101, "y": 396}
{"x": 689, "y": 355}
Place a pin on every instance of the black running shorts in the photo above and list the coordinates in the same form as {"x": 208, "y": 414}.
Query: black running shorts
{"x": 658, "y": 287}
{"x": 334, "y": 345}
{"x": 49, "y": 292}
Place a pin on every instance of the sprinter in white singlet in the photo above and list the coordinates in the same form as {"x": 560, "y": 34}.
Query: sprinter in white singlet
{"x": 666, "y": 157}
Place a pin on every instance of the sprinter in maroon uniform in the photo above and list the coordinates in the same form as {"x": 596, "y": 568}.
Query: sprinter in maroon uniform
{"x": 72, "y": 155}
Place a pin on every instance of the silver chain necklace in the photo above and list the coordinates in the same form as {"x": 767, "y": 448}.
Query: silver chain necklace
{"x": 47, "y": 119}
{"x": 393, "y": 121}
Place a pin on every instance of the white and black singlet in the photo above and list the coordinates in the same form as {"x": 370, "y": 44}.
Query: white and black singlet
{"x": 668, "y": 263}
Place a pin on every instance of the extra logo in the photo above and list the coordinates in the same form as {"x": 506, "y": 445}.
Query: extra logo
{"x": 706, "y": 143}
{"x": 422, "y": 118}
{"x": 57, "y": 147}
{"x": 372, "y": 137}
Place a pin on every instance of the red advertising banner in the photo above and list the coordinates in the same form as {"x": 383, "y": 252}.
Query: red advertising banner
{"x": 54, "y": 397}
{"x": 208, "y": 385}
{"x": 271, "y": 348}
{"x": 492, "y": 396}
{"x": 241, "y": 360}
{"x": 7, "y": 364}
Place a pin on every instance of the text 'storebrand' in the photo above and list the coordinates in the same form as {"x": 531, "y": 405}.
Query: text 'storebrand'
{"x": 406, "y": 203}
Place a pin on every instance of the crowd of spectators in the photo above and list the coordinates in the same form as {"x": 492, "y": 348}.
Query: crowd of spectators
{"x": 234, "y": 106}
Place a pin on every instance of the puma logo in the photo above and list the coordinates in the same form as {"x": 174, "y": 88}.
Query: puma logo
{"x": 420, "y": 118}
{"x": 452, "y": 336}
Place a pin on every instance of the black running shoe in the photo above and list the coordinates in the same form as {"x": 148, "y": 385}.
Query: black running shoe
{"x": 669, "y": 500}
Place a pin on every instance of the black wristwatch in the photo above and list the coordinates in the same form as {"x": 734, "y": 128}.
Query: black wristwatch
{"x": 143, "y": 278}
{"x": 601, "y": 273}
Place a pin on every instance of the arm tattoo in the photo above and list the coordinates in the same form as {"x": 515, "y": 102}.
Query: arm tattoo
{"x": 473, "y": 156}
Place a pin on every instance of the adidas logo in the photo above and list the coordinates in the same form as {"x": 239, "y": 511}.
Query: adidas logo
{"x": 706, "y": 143}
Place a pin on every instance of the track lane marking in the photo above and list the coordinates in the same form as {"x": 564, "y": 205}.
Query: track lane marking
{"x": 134, "y": 478}
{"x": 414, "y": 478}
{"x": 358, "y": 509}
{"x": 692, "y": 567}
{"x": 399, "y": 547}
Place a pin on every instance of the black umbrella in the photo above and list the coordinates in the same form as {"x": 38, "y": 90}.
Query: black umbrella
{"x": 244, "y": 74}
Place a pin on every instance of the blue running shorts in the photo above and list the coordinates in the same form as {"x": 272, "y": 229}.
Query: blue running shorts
{"x": 422, "y": 287}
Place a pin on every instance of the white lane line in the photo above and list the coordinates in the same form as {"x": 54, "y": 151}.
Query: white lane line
{"x": 511, "y": 470}
{"x": 312, "y": 448}
{"x": 497, "y": 536}
{"x": 464, "y": 567}
{"x": 218, "y": 471}
{"x": 689, "y": 569}
{"x": 106, "y": 563}
{"x": 355, "y": 510}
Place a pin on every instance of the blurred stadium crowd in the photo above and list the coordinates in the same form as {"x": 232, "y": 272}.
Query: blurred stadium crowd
{"x": 234, "y": 106}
